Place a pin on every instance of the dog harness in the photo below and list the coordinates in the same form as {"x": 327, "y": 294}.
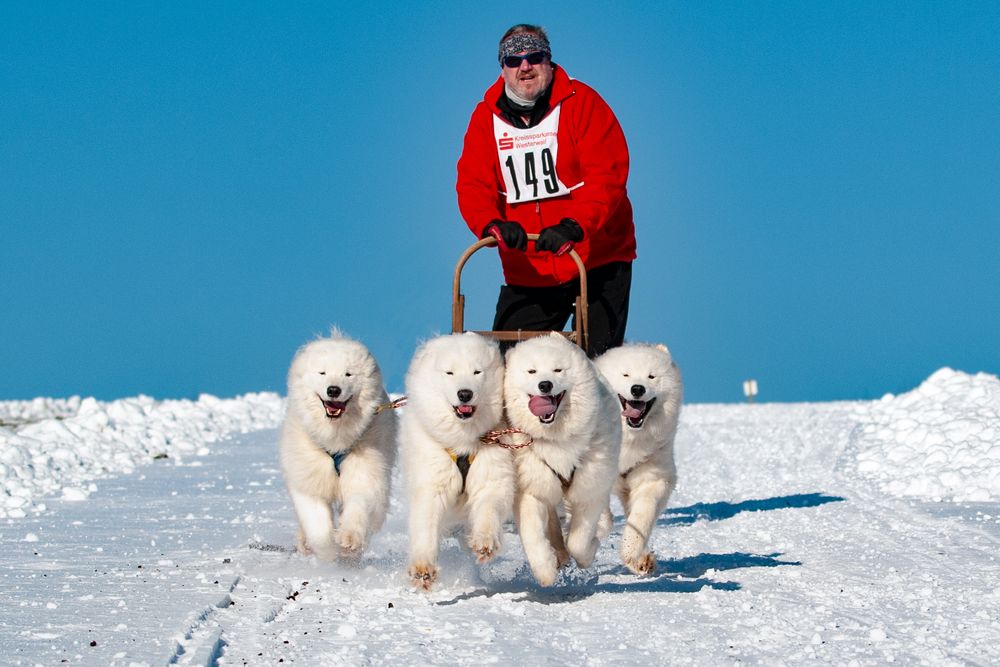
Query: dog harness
{"x": 562, "y": 480}
{"x": 464, "y": 462}
{"x": 637, "y": 464}
{"x": 338, "y": 458}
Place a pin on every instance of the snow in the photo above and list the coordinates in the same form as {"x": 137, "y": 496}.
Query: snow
{"x": 153, "y": 532}
{"x": 52, "y": 446}
{"x": 940, "y": 441}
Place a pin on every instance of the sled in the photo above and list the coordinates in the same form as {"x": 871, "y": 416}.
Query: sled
{"x": 579, "y": 335}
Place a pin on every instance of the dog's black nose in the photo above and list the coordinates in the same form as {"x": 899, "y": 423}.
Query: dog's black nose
{"x": 638, "y": 390}
{"x": 545, "y": 386}
{"x": 333, "y": 392}
{"x": 465, "y": 395}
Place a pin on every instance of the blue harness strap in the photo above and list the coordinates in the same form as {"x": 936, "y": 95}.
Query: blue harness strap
{"x": 338, "y": 458}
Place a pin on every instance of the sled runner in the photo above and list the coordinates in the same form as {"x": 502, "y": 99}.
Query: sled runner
{"x": 579, "y": 335}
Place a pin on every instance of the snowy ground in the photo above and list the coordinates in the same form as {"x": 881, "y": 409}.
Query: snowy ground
{"x": 855, "y": 532}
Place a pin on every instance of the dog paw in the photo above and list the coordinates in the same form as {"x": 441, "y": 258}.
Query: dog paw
{"x": 323, "y": 550}
{"x": 422, "y": 577}
{"x": 485, "y": 548}
{"x": 545, "y": 577}
{"x": 643, "y": 565}
{"x": 350, "y": 541}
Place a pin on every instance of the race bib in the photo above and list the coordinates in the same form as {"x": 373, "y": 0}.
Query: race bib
{"x": 528, "y": 159}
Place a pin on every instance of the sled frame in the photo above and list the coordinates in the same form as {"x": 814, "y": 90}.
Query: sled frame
{"x": 580, "y": 332}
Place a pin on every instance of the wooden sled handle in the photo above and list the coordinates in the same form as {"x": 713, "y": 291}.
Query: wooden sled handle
{"x": 580, "y": 334}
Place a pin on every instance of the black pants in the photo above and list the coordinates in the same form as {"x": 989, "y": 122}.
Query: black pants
{"x": 549, "y": 308}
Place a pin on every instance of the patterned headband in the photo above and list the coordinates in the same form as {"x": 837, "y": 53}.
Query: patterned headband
{"x": 524, "y": 41}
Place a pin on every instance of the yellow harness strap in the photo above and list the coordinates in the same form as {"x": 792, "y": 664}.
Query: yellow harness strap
{"x": 463, "y": 462}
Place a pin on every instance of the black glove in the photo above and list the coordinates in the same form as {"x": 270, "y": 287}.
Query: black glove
{"x": 555, "y": 238}
{"x": 509, "y": 234}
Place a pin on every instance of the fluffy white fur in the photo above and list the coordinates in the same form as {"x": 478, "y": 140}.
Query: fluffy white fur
{"x": 580, "y": 442}
{"x": 334, "y": 388}
{"x": 454, "y": 390}
{"x": 650, "y": 391}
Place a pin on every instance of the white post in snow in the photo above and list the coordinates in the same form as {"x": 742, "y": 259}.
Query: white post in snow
{"x": 750, "y": 389}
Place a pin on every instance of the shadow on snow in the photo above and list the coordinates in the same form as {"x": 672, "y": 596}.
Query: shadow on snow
{"x": 723, "y": 510}
{"x": 677, "y": 575}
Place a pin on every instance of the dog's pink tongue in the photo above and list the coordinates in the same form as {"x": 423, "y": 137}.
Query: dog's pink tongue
{"x": 631, "y": 411}
{"x": 542, "y": 405}
{"x": 465, "y": 409}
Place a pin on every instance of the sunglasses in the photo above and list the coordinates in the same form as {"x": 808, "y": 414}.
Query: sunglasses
{"x": 533, "y": 58}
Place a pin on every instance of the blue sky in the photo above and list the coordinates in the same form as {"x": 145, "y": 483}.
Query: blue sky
{"x": 190, "y": 191}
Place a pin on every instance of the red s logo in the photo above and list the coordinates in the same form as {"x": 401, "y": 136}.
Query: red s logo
{"x": 506, "y": 143}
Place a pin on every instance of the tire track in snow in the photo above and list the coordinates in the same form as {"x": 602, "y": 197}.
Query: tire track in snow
{"x": 202, "y": 643}
{"x": 235, "y": 624}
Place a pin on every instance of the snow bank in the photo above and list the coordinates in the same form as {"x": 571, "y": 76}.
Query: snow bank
{"x": 18, "y": 413}
{"x": 59, "y": 446}
{"x": 940, "y": 441}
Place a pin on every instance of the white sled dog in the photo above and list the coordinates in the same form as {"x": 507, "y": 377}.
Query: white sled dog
{"x": 554, "y": 393}
{"x": 649, "y": 388}
{"x": 454, "y": 390}
{"x": 336, "y": 453}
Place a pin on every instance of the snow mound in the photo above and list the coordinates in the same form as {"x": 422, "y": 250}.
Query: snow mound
{"x": 940, "y": 441}
{"x": 18, "y": 413}
{"x": 54, "y": 447}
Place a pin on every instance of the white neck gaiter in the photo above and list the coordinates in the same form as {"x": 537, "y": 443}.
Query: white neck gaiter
{"x": 519, "y": 101}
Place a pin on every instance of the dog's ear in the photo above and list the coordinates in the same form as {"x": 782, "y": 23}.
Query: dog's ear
{"x": 556, "y": 334}
{"x": 662, "y": 348}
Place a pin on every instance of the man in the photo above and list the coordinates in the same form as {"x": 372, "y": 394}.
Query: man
{"x": 544, "y": 154}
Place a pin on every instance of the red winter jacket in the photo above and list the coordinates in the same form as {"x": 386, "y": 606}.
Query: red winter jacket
{"x": 592, "y": 160}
